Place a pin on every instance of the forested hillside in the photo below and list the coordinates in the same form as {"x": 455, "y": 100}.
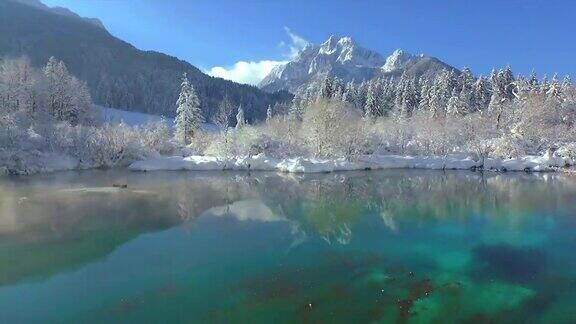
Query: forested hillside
{"x": 117, "y": 74}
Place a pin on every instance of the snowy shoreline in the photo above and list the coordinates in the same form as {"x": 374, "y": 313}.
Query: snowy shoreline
{"x": 51, "y": 162}
{"x": 260, "y": 162}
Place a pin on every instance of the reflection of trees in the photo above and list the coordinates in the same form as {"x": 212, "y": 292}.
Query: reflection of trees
{"x": 51, "y": 230}
{"x": 329, "y": 205}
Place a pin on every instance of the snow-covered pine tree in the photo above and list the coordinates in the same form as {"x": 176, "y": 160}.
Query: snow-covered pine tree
{"x": 554, "y": 88}
{"x": 466, "y": 94}
{"x": 496, "y": 99}
{"x": 522, "y": 88}
{"x": 188, "y": 112}
{"x": 338, "y": 89}
{"x": 240, "y": 120}
{"x": 327, "y": 88}
{"x": 482, "y": 94}
{"x": 57, "y": 77}
{"x": 399, "y": 90}
{"x": 567, "y": 82}
{"x": 68, "y": 98}
{"x": 371, "y": 107}
{"x": 534, "y": 85}
{"x": 17, "y": 87}
{"x": 567, "y": 89}
{"x": 441, "y": 92}
{"x": 544, "y": 85}
{"x": 424, "y": 102}
{"x": 387, "y": 91}
{"x": 268, "y": 113}
{"x": 455, "y": 106}
{"x": 349, "y": 93}
{"x": 296, "y": 110}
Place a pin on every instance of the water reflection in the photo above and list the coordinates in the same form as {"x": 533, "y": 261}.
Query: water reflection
{"x": 38, "y": 214}
{"x": 398, "y": 242}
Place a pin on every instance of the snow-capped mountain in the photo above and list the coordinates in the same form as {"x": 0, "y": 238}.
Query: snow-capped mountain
{"x": 344, "y": 59}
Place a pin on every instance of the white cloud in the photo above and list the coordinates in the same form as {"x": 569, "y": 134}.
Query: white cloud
{"x": 253, "y": 72}
{"x": 297, "y": 43}
{"x": 245, "y": 72}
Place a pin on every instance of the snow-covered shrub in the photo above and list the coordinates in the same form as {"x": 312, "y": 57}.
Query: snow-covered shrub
{"x": 285, "y": 133}
{"x": 200, "y": 143}
{"x": 156, "y": 137}
{"x": 568, "y": 152}
{"x": 389, "y": 135}
{"x": 508, "y": 146}
{"x": 243, "y": 141}
{"x": 332, "y": 129}
{"x": 222, "y": 144}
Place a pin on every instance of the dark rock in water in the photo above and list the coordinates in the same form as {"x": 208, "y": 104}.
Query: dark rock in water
{"x": 120, "y": 185}
{"x": 514, "y": 264}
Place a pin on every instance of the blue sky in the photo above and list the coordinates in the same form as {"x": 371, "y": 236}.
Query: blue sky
{"x": 242, "y": 40}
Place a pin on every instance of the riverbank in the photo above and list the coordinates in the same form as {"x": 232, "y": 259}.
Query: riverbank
{"x": 547, "y": 162}
{"x": 39, "y": 162}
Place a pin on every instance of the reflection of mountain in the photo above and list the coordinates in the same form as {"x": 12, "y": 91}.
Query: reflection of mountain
{"x": 245, "y": 210}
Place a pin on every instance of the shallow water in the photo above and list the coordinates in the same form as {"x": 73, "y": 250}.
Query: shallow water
{"x": 383, "y": 246}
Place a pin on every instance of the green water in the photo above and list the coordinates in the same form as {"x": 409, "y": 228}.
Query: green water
{"x": 392, "y": 247}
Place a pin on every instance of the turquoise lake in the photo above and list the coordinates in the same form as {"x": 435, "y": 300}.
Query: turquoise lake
{"x": 395, "y": 246}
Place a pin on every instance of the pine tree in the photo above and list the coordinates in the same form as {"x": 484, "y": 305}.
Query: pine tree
{"x": 349, "y": 94}
{"x": 240, "y": 120}
{"x": 567, "y": 82}
{"x": 533, "y": 83}
{"x": 296, "y": 110}
{"x": 68, "y": 98}
{"x": 566, "y": 88}
{"x": 188, "y": 112}
{"x": 482, "y": 94}
{"x": 554, "y": 88}
{"x": 455, "y": 106}
{"x": 466, "y": 91}
{"x": 269, "y": 113}
{"x": 327, "y": 88}
{"x": 424, "y": 103}
{"x": 440, "y": 93}
{"x": 371, "y": 107}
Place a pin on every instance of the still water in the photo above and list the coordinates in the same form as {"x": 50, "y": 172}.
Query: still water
{"x": 383, "y": 246}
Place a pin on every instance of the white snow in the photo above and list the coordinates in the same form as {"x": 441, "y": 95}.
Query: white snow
{"x": 246, "y": 210}
{"x": 396, "y": 61}
{"x": 548, "y": 162}
{"x": 112, "y": 115}
{"x": 131, "y": 118}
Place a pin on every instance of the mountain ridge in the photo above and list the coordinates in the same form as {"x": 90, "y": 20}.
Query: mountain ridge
{"x": 118, "y": 74}
{"x": 343, "y": 58}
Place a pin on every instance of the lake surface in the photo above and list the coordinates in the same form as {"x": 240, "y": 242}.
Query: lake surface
{"x": 382, "y": 246}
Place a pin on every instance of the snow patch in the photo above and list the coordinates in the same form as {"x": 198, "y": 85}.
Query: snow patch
{"x": 260, "y": 162}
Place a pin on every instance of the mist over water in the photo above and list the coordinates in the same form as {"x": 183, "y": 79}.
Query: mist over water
{"x": 390, "y": 246}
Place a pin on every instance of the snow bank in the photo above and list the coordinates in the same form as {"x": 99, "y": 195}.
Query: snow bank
{"x": 548, "y": 162}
